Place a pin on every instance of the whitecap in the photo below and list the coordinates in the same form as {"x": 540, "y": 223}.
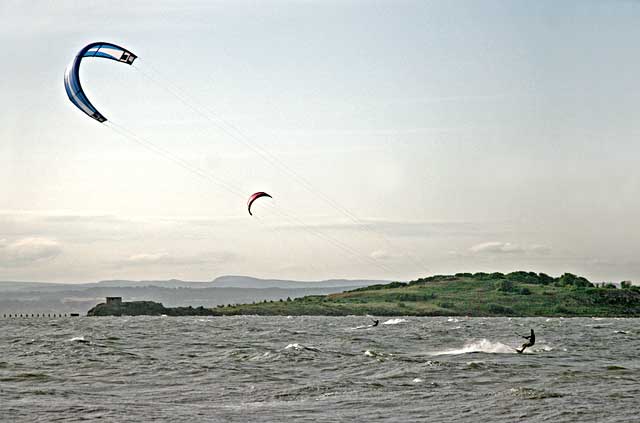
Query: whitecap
{"x": 300, "y": 347}
{"x": 295, "y": 346}
{"x": 483, "y": 345}
{"x": 394, "y": 321}
{"x": 417, "y": 380}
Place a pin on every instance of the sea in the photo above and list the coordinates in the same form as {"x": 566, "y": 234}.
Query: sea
{"x": 318, "y": 369}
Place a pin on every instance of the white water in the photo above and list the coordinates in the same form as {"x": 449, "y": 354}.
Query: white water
{"x": 483, "y": 345}
{"x": 394, "y": 321}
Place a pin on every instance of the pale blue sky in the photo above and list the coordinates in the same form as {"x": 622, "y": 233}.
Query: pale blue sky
{"x": 472, "y": 135}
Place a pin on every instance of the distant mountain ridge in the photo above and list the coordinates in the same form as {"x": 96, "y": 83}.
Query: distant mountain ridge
{"x": 38, "y": 297}
{"x": 232, "y": 281}
{"x": 227, "y": 281}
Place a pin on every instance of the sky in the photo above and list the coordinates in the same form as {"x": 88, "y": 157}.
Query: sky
{"x": 398, "y": 139}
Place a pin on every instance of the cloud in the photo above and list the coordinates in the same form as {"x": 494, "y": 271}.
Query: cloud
{"x": 383, "y": 255}
{"x": 148, "y": 258}
{"x": 496, "y": 247}
{"x": 166, "y": 259}
{"x": 27, "y": 251}
{"x": 408, "y": 228}
{"x": 78, "y": 228}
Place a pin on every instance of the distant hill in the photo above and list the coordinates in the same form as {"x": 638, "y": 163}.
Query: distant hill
{"x": 465, "y": 294}
{"x": 249, "y": 282}
{"x": 37, "y": 297}
{"x": 230, "y": 281}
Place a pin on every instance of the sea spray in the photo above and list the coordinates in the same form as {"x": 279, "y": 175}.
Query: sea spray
{"x": 482, "y": 345}
{"x": 394, "y": 321}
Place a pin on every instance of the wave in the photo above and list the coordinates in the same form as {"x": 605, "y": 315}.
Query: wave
{"x": 79, "y": 339}
{"x": 533, "y": 394}
{"x": 23, "y": 377}
{"x": 300, "y": 347}
{"x": 394, "y": 321}
{"x": 483, "y": 345}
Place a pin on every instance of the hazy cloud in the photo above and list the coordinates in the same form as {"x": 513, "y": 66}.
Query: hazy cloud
{"x": 497, "y": 247}
{"x": 166, "y": 259}
{"x": 409, "y": 228}
{"x": 383, "y": 255}
{"x": 26, "y": 251}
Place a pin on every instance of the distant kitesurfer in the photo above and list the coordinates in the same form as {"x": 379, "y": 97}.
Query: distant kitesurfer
{"x": 375, "y": 323}
{"x": 530, "y": 343}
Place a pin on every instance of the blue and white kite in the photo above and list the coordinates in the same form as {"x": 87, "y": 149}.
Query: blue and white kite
{"x": 72, "y": 74}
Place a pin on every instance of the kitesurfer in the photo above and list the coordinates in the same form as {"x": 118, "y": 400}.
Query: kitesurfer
{"x": 531, "y": 340}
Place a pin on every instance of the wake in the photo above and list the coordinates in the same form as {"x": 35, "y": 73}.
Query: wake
{"x": 483, "y": 345}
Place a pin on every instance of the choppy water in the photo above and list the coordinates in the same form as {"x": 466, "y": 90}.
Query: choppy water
{"x": 319, "y": 369}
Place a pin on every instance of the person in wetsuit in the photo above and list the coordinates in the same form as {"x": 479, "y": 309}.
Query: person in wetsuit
{"x": 530, "y": 343}
{"x": 375, "y": 323}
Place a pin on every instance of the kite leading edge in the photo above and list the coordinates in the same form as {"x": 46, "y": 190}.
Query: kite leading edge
{"x": 72, "y": 74}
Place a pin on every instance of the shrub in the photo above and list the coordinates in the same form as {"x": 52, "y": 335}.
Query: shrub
{"x": 524, "y": 277}
{"x": 545, "y": 279}
{"x": 573, "y": 280}
{"x": 505, "y": 285}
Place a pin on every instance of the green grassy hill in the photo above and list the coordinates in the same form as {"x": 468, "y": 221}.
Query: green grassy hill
{"x": 463, "y": 294}
{"x": 479, "y": 294}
